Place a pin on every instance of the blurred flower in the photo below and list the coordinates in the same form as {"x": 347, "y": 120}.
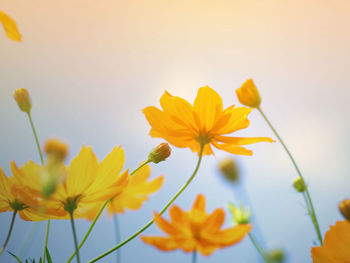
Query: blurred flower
{"x": 248, "y": 94}
{"x": 10, "y": 27}
{"x": 241, "y": 215}
{"x": 299, "y": 184}
{"x": 15, "y": 195}
{"x": 136, "y": 192}
{"x": 160, "y": 153}
{"x": 56, "y": 149}
{"x": 204, "y": 123}
{"x": 196, "y": 230}
{"x": 336, "y": 245}
{"x": 23, "y": 100}
{"x": 276, "y": 255}
{"x": 229, "y": 170}
{"x": 87, "y": 183}
{"x": 344, "y": 208}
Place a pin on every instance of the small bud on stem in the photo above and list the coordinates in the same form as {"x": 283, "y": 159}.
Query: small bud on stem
{"x": 23, "y": 99}
{"x": 160, "y": 153}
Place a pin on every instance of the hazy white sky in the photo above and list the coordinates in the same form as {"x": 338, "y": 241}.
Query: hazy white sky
{"x": 91, "y": 66}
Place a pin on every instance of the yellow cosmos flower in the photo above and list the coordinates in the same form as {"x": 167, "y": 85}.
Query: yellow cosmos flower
{"x": 10, "y": 27}
{"x": 184, "y": 125}
{"x": 136, "y": 192}
{"x": 15, "y": 195}
{"x": 196, "y": 230}
{"x": 336, "y": 247}
{"x": 248, "y": 94}
{"x": 86, "y": 183}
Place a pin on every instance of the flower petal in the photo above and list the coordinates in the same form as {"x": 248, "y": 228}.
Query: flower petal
{"x": 242, "y": 140}
{"x": 166, "y": 226}
{"x": 208, "y": 106}
{"x": 10, "y": 27}
{"x": 214, "y": 221}
{"x": 228, "y": 236}
{"x": 162, "y": 243}
{"x": 199, "y": 203}
{"x": 231, "y": 148}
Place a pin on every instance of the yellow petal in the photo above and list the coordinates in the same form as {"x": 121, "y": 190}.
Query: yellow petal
{"x": 5, "y": 186}
{"x": 10, "y": 27}
{"x": 231, "y": 148}
{"x": 178, "y": 216}
{"x": 232, "y": 119}
{"x": 31, "y": 175}
{"x": 208, "y": 106}
{"x": 81, "y": 172}
{"x": 242, "y": 140}
{"x": 205, "y": 249}
{"x": 199, "y": 203}
{"x": 179, "y": 111}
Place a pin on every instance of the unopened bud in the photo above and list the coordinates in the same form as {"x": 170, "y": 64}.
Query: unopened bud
{"x": 23, "y": 99}
{"x": 160, "y": 153}
{"x": 53, "y": 174}
{"x": 299, "y": 185}
{"x": 241, "y": 215}
{"x": 229, "y": 170}
{"x": 248, "y": 94}
{"x": 56, "y": 149}
{"x": 344, "y": 208}
{"x": 276, "y": 255}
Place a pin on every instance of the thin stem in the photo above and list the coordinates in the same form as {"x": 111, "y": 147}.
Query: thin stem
{"x": 194, "y": 256}
{"x": 259, "y": 248}
{"x": 36, "y": 138}
{"x": 117, "y": 235}
{"x": 10, "y": 231}
{"x": 161, "y": 212}
{"x": 46, "y": 239}
{"x": 141, "y": 165}
{"x": 74, "y": 235}
{"x": 308, "y": 196}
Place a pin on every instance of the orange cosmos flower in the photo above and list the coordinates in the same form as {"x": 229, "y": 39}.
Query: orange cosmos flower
{"x": 336, "y": 247}
{"x": 204, "y": 123}
{"x": 196, "y": 230}
{"x": 10, "y": 27}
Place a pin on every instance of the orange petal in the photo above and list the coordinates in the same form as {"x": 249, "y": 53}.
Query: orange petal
{"x": 208, "y": 106}
{"x": 228, "y": 236}
{"x": 162, "y": 243}
{"x": 166, "y": 226}
{"x": 206, "y": 249}
{"x": 199, "y": 203}
{"x": 214, "y": 221}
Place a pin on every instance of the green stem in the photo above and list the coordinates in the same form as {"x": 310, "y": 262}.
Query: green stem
{"x": 117, "y": 235}
{"x": 42, "y": 162}
{"x": 259, "y": 248}
{"x": 308, "y": 196}
{"x": 194, "y": 256}
{"x": 141, "y": 165}
{"x": 99, "y": 214}
{"x": 161, "y": 212}
{"x": 46, "y": 239}
{"x": 74, "y": 235}
{"x": 36, "y": 138}
{"x": 10, "y": 231}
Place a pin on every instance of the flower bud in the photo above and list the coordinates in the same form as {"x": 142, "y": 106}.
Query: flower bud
{"x": 160, "y": 153}
{"x": 276, "y": 255}
{"x": 23, "y": 99}
{"x": 229, "y": 170}
{"x": 299, "y": 185}
{"x": 240, "y": 215}
{"x": 56, "y": 149}
{"x": 344, "y": 208}
{"x": 248, "y": 94}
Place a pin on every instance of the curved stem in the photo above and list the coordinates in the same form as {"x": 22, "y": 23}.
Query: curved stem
{"x": 75, "y": 236}
{"x": 10, "y": 231}
{"x": 99, "y": 214}
{"x": 259, "y": 248}
{"x": 308, "y": 196}
{"x": 117, "y": 235}
{"x": 194, "y": 256}
{"x": 161, "y": 212}
{"x": 36, "y": 138}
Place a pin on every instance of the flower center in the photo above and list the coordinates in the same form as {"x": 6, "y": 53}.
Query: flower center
{"x": 17, "y": 205}
{"x": 204, "y": 139}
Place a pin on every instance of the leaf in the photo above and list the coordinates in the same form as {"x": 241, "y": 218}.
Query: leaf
{"x": 49, "y": 260}
{"x": 18, "y": 260}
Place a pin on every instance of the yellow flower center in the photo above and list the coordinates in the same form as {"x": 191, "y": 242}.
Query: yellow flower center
{"x": 204, "y": 139}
